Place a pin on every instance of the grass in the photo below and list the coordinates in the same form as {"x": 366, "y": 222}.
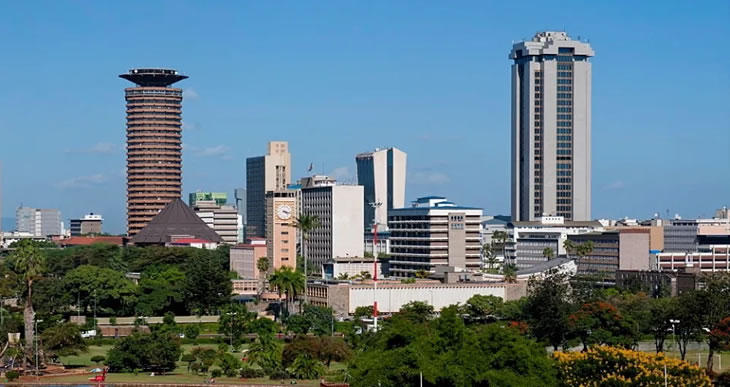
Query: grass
{"x": 84, "y": 359}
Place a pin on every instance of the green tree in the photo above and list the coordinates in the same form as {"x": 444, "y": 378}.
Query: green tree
{"x": 263, "y": 265}
{"x": 600, "y": 323}
{"x": 483, "y": 307}
{"x": 548, "y": 307}
{"x": 306, "y": 224}
{"x": 192, "y": 331}
{"x": 688, "y": 309}
{"x": 109, "y": 290}
{"x": 29, "y": 263}
{"x": 301, "y": 344}
{"x": 161, "y": 291}
{"x": 63, "y": 340}
{"x": 262, "y": 326}
{"x": 548, "y": 253}
{"x": 206, "y": 357}
{"x": 416, "y": 311}
{"x": 333, "y": 348}
{"x": 421, "y": 274}
{"x": 288, "y": 282}
{"x": 229, "y": 364}
{"x": 501, "y": 238}
{"x": 188, "y": 358}
{"x": 234, "y": 320}
{"x": 306, "y": 367}
{"x": 661, "y": 310}
{"x": 266, "y": 353}
{"x": 156, "y": 351}
{"x": 510, "y": 273}
{"x": 317, "y": 320}
{"x": 98, "y": 359}
{"x": 207, "y": 285}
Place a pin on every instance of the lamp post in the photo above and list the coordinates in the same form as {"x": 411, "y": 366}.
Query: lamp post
{"x": 375, "y": 206}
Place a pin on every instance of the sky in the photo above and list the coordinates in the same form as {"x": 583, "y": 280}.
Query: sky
{"x": 335, "y": 78}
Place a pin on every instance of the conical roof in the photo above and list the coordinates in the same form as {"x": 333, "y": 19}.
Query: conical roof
{"x": 176, "y": 219}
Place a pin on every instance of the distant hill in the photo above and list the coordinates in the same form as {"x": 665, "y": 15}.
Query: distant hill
{"x": 8, "y": 224}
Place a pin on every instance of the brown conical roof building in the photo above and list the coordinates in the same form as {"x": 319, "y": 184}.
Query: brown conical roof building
{"x": 176, "y": 220}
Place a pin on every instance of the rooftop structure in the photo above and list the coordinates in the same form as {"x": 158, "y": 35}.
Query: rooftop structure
{"x": 176, "y": 221}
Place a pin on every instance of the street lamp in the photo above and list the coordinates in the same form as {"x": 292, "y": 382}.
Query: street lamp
{"x": 673, "y": 322}
{"x": 36, "y": 343}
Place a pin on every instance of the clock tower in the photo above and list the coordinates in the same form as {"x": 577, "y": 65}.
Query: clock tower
{"x": 281, "y": 233}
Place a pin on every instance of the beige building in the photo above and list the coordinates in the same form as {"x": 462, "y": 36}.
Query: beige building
{"x": 713, "y": 258}
{"x": 382, "y": 173}
{"x": 434, "y": 232}
{"x": 271, "y": 172}
{"x": 551, "y": 128}
{"x": 340, "y": 212}
{"x": 221, "y": 218}
{"x": 281, "y": 233}
{"x": 612, "y": 251}
{"x": 656, "y": 234}
{"x": 243, "y": 258}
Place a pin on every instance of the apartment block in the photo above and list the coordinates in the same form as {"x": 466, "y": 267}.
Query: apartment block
{"x": 38, "y": 222}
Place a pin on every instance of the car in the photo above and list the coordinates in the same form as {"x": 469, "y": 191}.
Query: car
{"x": 87, "y": 334}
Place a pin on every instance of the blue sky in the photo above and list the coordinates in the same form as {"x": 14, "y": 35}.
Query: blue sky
{"x": 341, "y": 77}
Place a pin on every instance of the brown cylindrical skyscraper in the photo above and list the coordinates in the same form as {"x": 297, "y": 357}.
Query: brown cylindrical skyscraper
{"x": 154, "y": 144}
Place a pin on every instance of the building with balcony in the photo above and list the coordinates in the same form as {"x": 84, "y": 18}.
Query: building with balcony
{"x": 434, "y": 232}
{"x": 154, "y": 143}
{"x": 711, "y": 259}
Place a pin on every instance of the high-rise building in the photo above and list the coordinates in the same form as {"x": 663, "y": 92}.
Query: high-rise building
{"x": 382, "y": 173}
{"x": 220, "y": 198}
{"x": 434, "y": 232}
{"x": 221, "y": 218}
{"x": 271, "y": 172}
{"x": 551, "y": 128}
{"x": 89, "y": 224}
{"x": 339, "y": 209}
{"x": 281, "y": 232}
{"x": 154, "y": 143}
{"x": 39, "y": 222}
{"x": 240, "y": 196}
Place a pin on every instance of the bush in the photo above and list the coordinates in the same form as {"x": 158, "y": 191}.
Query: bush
{"x": 149, "y": 352}
{"x": 610, "y": 366}
{"x": 12, "y": 375}
{"x": 248, "y": 372}
{"x": 723, "y": 379}
{"x": 192, "y": 331}
{"x": 112, "y": 321}
{"x": 98, "y": 359}
{"x": 216, "y": 373}
{"x": 277, "y": 373}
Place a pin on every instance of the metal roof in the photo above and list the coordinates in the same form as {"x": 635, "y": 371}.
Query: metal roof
{"x": 176, "y": 219}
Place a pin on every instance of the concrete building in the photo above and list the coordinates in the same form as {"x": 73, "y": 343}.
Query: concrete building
{"x": 340, "y": 212}
{"x": 243, "y": 258}
{"x": 219, "y": 198}
{"x": 240, "y": 196}
{"x": 344, "y": 297}
{"x": 271, "y": 172}
{"x": 221, "y": 218}
{"x": 89, "y": 224}
{"x": 612, "y": 251}
{"x": 281, "y": 232}
{"x": 351, "y": 267}
{"x": 685, "y": 235}
{"x": 551, "y": 128}
{"x": 711, "y": 259}
{"x": 38, "y": 222}
{"x": 434, "y": 232}
{"x": 657, "y": 283}
{"x": 154, "y": 144}
{"x": 656, "y": 234}
{"x": 530, "y": 239}
{"x": 382, "y": 173}
{"x": 383, "y": 244}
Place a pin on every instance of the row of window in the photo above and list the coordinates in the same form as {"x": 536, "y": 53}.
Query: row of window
{"x": 564, "y": 102}
{"x": 564, "y": 66}
{"x": 565, "y": 116}
{"x": 564, "y": 152}
{"x": 564, "y": 131}
{"x": 564, "y": 145}
{"x": 564, "y": 123}
{"x": 564, "y": 81}
{"x": 564, "y": 173}
{"x": 565, "y": 110}
{"x": 564, "y": 201}
{"x": 565, "y": 95}
{"x": 565, "y": 88}
{"x": 564, "y": 138}
{"x": 565, "y": 180}
{"x": 565, "y": 74}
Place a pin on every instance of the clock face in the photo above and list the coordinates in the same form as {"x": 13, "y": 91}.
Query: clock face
{"x": 284, "y": 211}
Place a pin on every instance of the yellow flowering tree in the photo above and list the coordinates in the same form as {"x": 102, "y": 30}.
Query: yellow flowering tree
{"x": 612, "y": 366}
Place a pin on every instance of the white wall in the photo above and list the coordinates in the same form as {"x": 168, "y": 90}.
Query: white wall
{"x": 348, "y": 229}
{"x": 391, "y": 299}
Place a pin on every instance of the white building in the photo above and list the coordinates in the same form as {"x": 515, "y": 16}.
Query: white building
{"x": 551, "y": 128}
{"x": 38, "y": 222}
{"x": 340, "y": 212}
{"x": 434, "y": 232}
{"x": 382, "y": 173}
{"x": 223, "y": 219}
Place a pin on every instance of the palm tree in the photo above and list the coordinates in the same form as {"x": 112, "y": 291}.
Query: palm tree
{"x": 569, "y": 246}
{"x": 306, "y": 367}
{"x": 584, "y": 249}
{"x": 501, "y": 237}
{"x": 263, "y": 264}
{"x": 305, "y": 224}
{"x": 548, "y": 253}
{"x": 422, "y": 274}
{"x": 266, "y": 352}
{"x": 510, "y": 273}
{"x": 29, "y": 262}
{"x": 288, "y": 282}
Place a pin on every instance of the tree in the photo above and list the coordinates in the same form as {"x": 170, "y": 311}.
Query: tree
{"x": 156, "y": 351}
{"x": 510, "y": 273}
{"x": 266, "y": 353}
{"x": 688, "y": 310}
{"x": 29, "y": 263}
{"x": 317, "y": 320}
{"x": 229, "y": 364}
{"x": 422, "y": 274}
{"x": 263, "y": 265}
{"x": 262, "y": 326}
{"x": 207, "y": 285}
{"x": 288, "y": 282}
{"x": 715, "y": 299}
{"x": 106, "y": 290}
{"x": 234, "y": 320}
{"x": 161, "y": 291}
{"x": 610, "y": 366}
{"x": 333, "y": 348}
{"x": 600, "y": 323}
{"x": 659, "y": 321}
{"x": 98, "y": 359}
{"x": 482, "y": 308}
{"x": 306, "y": 367}
{"x": 548, "y": 253}
{"x": 306, "y": 224}
{"x": 301, "y": 344}
{"x": 501, "y": 238}
{"x": 569, "y": 246}
{"x": 63, "y": 340}
{"x": 416, "y": 311}
{"x": 188, "y": 358}
{"x": 205, "y": 357}
{"x": 548, "y": 307}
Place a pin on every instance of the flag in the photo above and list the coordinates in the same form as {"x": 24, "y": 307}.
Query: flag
{"x": 310, "y": 167}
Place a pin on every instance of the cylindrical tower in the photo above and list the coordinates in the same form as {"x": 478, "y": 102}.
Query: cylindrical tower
{"x": 154, "y": 144}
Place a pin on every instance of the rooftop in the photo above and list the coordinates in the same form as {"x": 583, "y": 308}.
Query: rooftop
{"x": 153, "y": 77}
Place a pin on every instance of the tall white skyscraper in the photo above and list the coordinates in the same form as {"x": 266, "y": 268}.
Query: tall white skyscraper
{"x": 551, "y": 128}
{"x": 383, "y": 174}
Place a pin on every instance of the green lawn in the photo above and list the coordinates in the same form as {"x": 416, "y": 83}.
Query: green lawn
{"x": 84, "y": 359}
{"x": 179, "y": 376}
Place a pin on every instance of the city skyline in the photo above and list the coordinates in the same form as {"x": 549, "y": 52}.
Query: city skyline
{"x": 438, "y": 89}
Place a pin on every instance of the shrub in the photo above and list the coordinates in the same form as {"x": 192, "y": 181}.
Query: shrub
{"x": 723, "y": 379}
{"x": 216, "y": 373}
{"x": 12, "y": 375}
{"x": 276, "y": 373}
{"x": 611, "y": 366}
{"x": 192, "y": 331}
{"x": 248, "y": 372}
{"x": 98, "y": 359}
{"x": 195, "y": 367}
{"x": 112, "y": 321}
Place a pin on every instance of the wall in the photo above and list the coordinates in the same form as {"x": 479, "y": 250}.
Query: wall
{"x": 633, "y": 250}
{"x": 348, "y": 231}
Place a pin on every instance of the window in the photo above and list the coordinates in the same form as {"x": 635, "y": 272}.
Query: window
{"x": 537, "y": 116}
{"x": 564, "y": 123}
{"x": 537, "y": 81}
{"x": 565, "y": 116}
{"x": 563, "y": 194}
{"x": 564, "y": 131}
{"x": 563, "y": 166}
{"x": 564, "y": 145}
{"x": 565, "y": 95}
{"x": 564, "y": 151}
{"x": 565, "y": 50}
{"x": 565, "y": 81}
{"x": 537, "y": 102}
{"x": 564, "y": 138}
{"x": 537, "y": 96}
{"x": 537, "y": 110}
{"x": 565, "y": 74}
{"x": 537, "y": 88}
{"x": 565, "y": 110}
{"x": 564, "y": 103}
{"x": 565, "y": 88}
{"x": 564, "y": 66}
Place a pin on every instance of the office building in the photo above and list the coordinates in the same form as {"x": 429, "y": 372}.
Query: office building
{"x": 154, "y": 144}
{"x": 687, "y": 235}
{"x": 383, "y": 243}
{"x": 243, "y": 258}
{"x": 434, "y": 232}
{"x": 38, "y": 222}
{"x": 551, "y": 128}
{"x": 240, "y": 196}
{"x": 281, "y": 232}
{"x": 89, "y": 224}
{"x": 271, "y": 172}
{"x": 382, "y": 173}
{"x": 612, "y": 251}
{"x": 340, "y": 212}
{"x": 711, "y": 259}
{"x": 220, "y": 198}
{"x": 221, "y": 218}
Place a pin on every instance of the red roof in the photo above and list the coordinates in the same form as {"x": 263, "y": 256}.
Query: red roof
{"x": 84, "y": 241}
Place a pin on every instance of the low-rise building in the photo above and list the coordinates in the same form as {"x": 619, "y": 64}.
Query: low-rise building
{"x": 656, "y": 283}
{"x": 243, "y": 259}
{"x": 434, "y": 232}
{"x": 247, "y": 287}
{"x": 349, "y": 267}
{"x": 383, "y": 243}
{"x": 612, "y": 251}
{"x": 714, "y": 258}
{"x": 223, "y": 219}
{"x": 88, "y": 225}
